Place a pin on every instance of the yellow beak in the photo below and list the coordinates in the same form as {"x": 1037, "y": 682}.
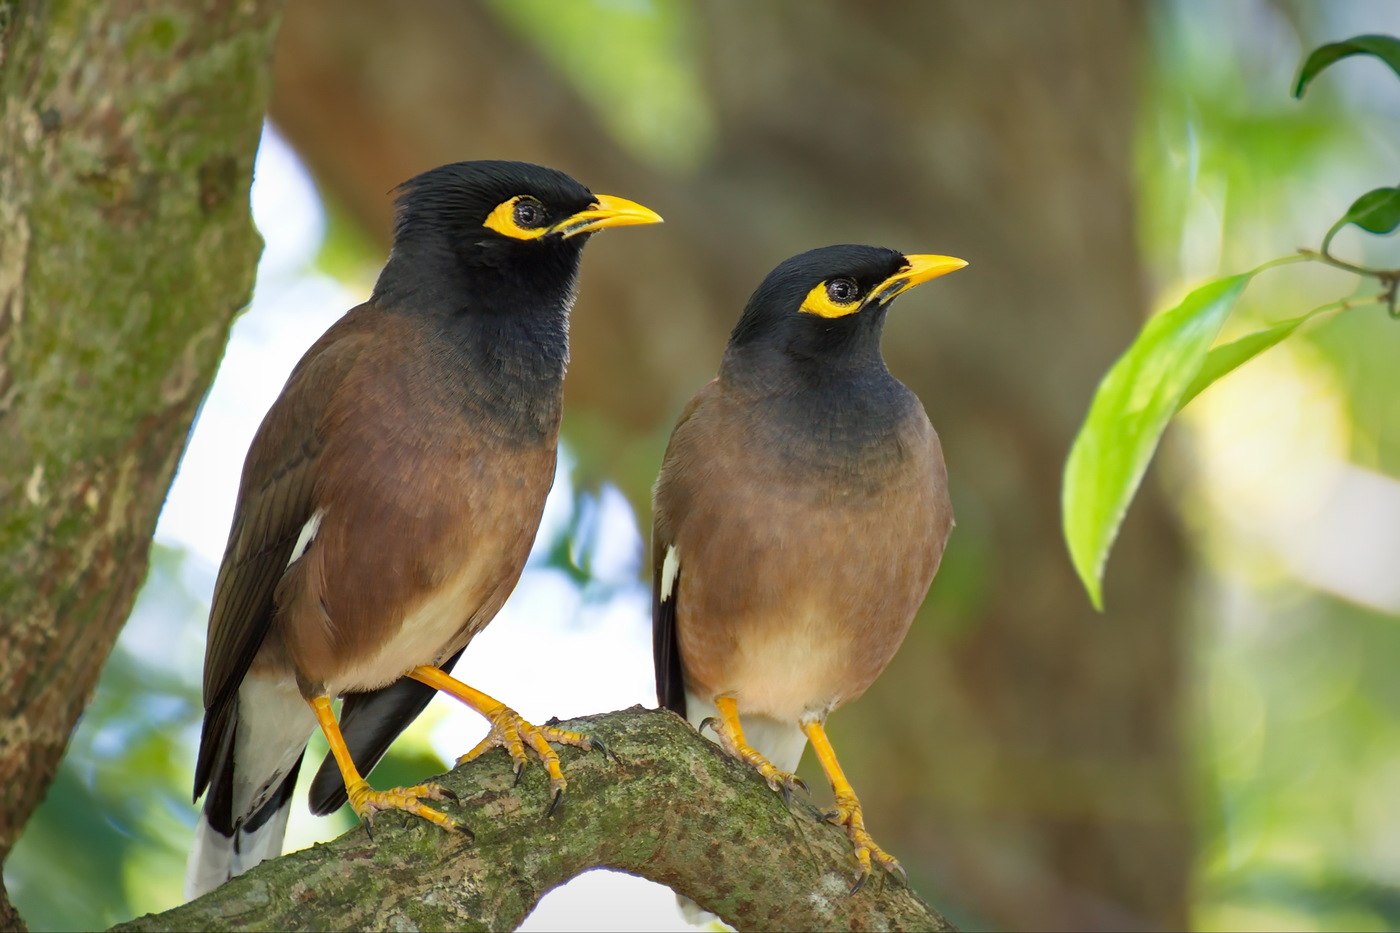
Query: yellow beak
{"x": 918, "y": 270}
{"x": 609, "y": 212}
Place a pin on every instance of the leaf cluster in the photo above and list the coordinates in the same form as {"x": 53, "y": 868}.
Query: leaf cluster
{"x": 1173, "y": 359}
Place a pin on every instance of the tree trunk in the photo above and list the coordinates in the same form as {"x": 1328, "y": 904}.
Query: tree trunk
{"x": 126, "y": 248}
{"x": 671, "y": 807}
{"x": 1020, "y": 753}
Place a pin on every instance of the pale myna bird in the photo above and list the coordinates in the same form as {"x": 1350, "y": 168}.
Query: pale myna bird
{"x": 387, "y": 506}
{"x": 799, "y": 518}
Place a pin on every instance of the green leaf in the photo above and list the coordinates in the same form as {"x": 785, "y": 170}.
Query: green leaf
{"x": 1376, "y": 211}
{"x": 1130, "y": 410}
{"x": 1386, "y": 48}
{"x": 1226, "y": 358}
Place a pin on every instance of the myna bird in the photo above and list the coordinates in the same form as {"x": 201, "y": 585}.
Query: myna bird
{"x": 387, "y": 506}
{"x": 799, "y": 518}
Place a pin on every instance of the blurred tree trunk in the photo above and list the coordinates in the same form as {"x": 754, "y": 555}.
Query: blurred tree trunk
{"x": 1039, "y": 777}
{"x": 126, "y": 248}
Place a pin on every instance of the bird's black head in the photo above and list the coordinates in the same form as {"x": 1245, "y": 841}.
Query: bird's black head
{"x": 825, "y": 309}
{"x": 495, "y": 236}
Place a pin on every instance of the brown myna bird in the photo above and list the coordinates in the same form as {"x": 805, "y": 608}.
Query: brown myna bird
{"x": 799, "y": 518}
{"x": 388, "y": 504}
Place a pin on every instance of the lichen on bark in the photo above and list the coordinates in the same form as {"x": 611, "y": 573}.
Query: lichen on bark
{"x": 126, "y": 248}
{"x": 671, "y": 808}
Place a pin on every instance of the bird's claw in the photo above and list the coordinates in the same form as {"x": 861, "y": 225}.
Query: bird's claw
{"x": 776, "y": 778}
{"x": 848, "y": 813}
{"x": 516, "y": 735}
{"x": 366, "y": 802}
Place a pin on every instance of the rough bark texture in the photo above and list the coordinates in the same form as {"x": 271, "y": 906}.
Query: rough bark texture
{"x": 128, "y": 131}
{"x": 672, "y": 808}
{"x": 10, "y": 920}
{"x": 1022, "y": 754}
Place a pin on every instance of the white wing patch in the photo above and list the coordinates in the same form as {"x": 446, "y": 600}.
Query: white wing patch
{"x": 670, "y": 566}
{"x": 308, "y": 534}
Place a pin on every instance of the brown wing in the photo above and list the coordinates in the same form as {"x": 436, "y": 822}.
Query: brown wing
{"x": 275, "y": 501}
{"x": 665, "y": 646}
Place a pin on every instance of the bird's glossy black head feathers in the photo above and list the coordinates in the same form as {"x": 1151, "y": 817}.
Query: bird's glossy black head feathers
{"x": 447, "y": 259}
{"x": 489, "y": 253}
{"x": 843, "y": 276}
{"x": 494, "y": 236}
{"x": 456, "y": 200}
{"x": 825, "y": 307}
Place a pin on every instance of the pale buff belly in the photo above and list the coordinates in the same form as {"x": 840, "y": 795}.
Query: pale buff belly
{"x": 787, "y": 668}
{"x": 428, "y": 635}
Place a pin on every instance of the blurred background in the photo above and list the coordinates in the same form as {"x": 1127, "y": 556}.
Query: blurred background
{"x": 1219, "y": 750}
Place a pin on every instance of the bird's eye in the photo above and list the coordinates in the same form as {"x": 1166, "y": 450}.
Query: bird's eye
{"x": 842, "y": 291}
{"x": 529, "y": 213}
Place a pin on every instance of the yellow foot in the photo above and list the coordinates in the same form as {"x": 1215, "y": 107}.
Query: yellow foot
{"x": 731, "y": 739}
{"x": 848, "y": 813}
{"x": 514, "y": 734}
{"x": 366, "y": 802}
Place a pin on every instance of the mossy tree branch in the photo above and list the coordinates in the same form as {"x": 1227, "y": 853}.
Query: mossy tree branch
{"x": 672, "y": 808}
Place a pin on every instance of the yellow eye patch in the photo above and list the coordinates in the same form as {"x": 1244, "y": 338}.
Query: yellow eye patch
{"x": 521, "y": 218}
{"x": 829, "y": 299}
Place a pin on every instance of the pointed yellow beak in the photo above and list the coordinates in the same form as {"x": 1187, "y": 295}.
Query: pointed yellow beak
{"x": 919, "y": 269}
{"x": 609, "y": 212}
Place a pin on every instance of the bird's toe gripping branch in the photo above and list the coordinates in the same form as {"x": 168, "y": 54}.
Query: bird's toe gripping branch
{"x": 365, "y": 800}
{"x": 509, "y": 730}
{"x": 730, "y": 732}
{"x": 516, "y": 735}
{"x": 848, "y": 812}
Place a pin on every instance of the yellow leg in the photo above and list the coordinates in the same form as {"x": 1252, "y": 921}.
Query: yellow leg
{"x": 731, "y": 738}
{"x": 510, "y": 731}
{"x": 363, "y": 799}
{"x": 848, "y": 810}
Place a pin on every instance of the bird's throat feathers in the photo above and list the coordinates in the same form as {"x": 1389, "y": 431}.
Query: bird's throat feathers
{"x": 507, "y": 335}
{"x": 517, "y": 364}
{"x": 837, "y": 420}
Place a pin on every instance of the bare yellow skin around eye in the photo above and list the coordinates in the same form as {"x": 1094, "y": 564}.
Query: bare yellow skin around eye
{"x": 502, "y": 220}
{"x": 818, "y": 302}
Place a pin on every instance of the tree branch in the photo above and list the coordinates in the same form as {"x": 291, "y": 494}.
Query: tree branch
{"x": 673, "y": 809}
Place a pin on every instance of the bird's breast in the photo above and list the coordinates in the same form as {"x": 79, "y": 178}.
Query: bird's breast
{"x": 429, "y": 630}
{"x": 801, "y": 562}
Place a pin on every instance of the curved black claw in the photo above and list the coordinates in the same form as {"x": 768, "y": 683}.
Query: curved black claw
{"x": 558, "y": 796}
{"x": 369, "y": 833}
{"x": 860, "y": 882}
{"x": 519, "y": 770}
{"x": 598, "y": 744}
{"x": 709, "y": 721}
{"x": 450, "y": 794}
{"x": 464, "y": 829}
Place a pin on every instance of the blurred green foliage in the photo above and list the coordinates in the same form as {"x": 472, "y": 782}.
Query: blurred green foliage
{"x": 1297, "y": 737}
{"x": 635, "y": 62}
{"x": 1171, "y": 362}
